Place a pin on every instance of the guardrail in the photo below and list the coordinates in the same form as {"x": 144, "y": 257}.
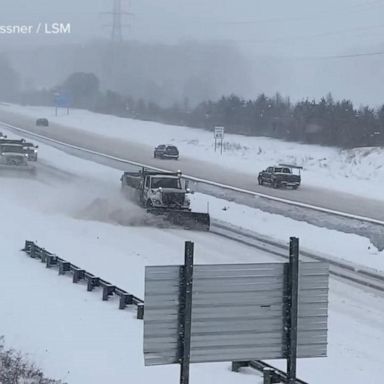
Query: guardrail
{"x": 271, "y": 375}
{"x": 198, "y": 180}
{"x": 79, "y": 274}
{"x": 359, "y": 274}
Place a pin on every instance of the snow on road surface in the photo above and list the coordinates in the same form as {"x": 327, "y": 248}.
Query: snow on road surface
{"x": 347, "y": 171}
{"x": 74, "y": 209}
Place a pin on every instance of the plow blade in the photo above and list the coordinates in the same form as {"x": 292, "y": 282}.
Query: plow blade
{"x": 186, "y": 219}
{"x": 189, "y": 220}
{"x": 15, "y": 169}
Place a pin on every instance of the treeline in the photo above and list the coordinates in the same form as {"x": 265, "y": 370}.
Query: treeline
{"x": 324, "y": 122}
{"x": 16, "y": 369}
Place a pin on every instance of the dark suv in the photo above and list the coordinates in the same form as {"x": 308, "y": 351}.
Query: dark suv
{"x": 164, "y": 151}
{"x": 42, "y": 122}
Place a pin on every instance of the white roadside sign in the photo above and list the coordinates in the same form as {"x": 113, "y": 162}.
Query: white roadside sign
{"x": 219, "y": 133}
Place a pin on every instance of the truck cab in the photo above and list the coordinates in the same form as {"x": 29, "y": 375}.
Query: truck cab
{"x": 12, "y": 154}
{"x": 158, "y": 190}
{"x": 164, "y": 191}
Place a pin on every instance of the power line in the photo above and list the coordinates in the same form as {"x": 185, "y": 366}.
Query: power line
{"x": 354, "y": 8}
{"x": 352, "y": 55}
{"x": 334, "y": 57}
{"x": 285, "y": 38}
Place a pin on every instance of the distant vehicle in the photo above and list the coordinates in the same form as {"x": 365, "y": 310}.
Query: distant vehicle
{"x": 2, "y": 136}
{"x": 165, "y": 151}
{"x": 281, "y": 176}
{"x": 42, "y": 122}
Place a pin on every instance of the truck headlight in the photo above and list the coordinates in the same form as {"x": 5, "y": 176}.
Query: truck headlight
{"x": 157, "y": 202}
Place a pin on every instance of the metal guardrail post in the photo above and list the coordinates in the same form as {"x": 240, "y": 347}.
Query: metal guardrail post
{"x": 236, "y": 365}
{"x": 48, "y": 258}
{"x": 125, "y": 299}
{"x": 185, "y": 312}
{"x": 32, "y": 250}
{"x": 29, "y": 245}
{"x": 78, "y": 274}
{"x": 267, "y": 376}
{"x": 140, "y": 311}
{"x": 64, "y": 266}
{"x": 43, "y": 254}
{"x": 92, "y": 283}
{"x": 293, "y": 290}
{"x": 108, "y": 291}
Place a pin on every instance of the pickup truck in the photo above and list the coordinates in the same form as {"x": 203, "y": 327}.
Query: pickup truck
{"x": 280, "y": 176}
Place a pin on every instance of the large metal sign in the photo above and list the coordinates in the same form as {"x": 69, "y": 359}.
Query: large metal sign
{"x": 239, "y": 312}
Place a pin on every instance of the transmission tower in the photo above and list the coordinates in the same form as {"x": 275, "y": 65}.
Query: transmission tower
{"x": 119, "y": 12}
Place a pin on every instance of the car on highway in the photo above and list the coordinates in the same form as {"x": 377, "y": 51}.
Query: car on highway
{"x": 42, "y": 122}
{"x": 280, "y": 176}
{"x": 166, "y": 151}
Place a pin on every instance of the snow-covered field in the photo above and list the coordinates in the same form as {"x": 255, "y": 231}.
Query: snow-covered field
{"x": 358, "y": 171}
{"x": 74, "y": 208}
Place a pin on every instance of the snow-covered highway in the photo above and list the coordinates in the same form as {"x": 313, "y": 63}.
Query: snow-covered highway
{"x": 106, "y": 141}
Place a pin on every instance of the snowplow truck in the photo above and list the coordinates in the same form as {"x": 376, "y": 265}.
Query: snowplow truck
{"x": 29, "y": 148}
{"x": 163, "y": 193}
{"x": 13, "y": 157}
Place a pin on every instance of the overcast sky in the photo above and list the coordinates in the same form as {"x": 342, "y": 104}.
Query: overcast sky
{"x": 300, "y": 31}
{"x": 277, "y": 27}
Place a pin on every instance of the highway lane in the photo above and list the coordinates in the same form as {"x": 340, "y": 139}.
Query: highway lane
{"x": 321, "y": 197}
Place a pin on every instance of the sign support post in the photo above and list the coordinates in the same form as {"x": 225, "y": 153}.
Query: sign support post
{"x": 293, "y": 289}
{"x": 185, "y": 312}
